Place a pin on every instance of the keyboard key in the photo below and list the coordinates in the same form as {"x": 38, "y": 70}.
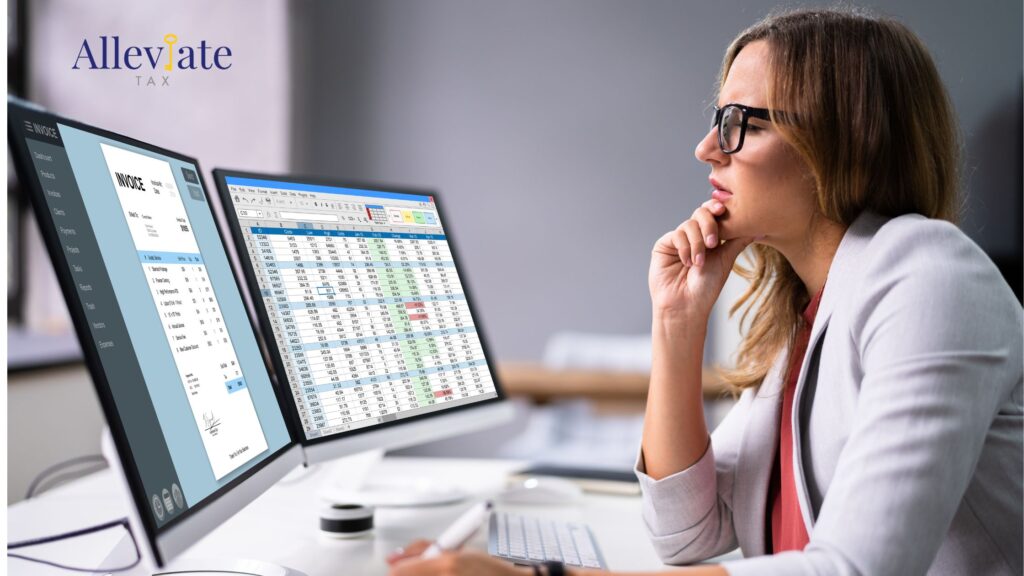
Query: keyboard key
{"x": 551, "y": 549}
{"x": 568, "y": 546}
{"x": 584, "y": 546}
{"x": 500, "y": 522}
{"x": 534, "y": 545}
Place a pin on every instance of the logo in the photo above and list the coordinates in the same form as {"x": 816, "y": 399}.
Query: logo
{"x": 153, "y": 64}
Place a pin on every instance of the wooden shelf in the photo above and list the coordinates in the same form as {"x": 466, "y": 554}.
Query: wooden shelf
{"x": 543, "y": 384}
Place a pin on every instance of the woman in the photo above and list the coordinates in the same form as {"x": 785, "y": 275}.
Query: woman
{"x": 879, "y": 429}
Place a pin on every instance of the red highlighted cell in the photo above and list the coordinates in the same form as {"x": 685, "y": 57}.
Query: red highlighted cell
{"x": 417, "y": 316}
{"x": 415, "y": 305}
{"x": 441, "y": 393}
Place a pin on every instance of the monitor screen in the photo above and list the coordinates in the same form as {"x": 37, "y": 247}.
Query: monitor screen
{"x": 360, "y": 291}
{"x": 158, "y": 311}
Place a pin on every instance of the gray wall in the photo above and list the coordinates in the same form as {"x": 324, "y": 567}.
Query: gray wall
{"x": 561, "y": 134}
{"x": 207, "y": 116}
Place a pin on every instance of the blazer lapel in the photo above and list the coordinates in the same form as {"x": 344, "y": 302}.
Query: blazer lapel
{"x": 757, "y": 456}
{"x": 842, "y": 277}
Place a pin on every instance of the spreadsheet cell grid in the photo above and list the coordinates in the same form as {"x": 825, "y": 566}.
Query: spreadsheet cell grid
{"x": 369, "y": 315}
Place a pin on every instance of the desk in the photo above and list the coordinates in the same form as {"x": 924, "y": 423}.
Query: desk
{"x": 543, "y": 384}
{"x": 281, "y": 525}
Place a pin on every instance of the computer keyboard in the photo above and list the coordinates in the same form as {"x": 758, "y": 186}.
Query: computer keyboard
{"x": 532, "y": 540}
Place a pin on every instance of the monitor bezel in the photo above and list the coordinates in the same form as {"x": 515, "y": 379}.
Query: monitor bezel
{"x": 220, "y": 176}
{"x": 19, "y": 111}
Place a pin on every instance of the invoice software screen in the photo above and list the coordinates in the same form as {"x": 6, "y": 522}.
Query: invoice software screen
{"x": 164, "y": 311}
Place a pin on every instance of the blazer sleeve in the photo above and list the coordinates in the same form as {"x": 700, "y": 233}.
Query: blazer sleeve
{"x": 689, "y": 514}
{"x": 939, "y": 337}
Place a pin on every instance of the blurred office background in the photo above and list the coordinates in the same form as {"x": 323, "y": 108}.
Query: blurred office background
{"x": 560, "y": 136}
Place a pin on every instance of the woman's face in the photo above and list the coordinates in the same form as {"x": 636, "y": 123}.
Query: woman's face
{"x": 767, "y": 188}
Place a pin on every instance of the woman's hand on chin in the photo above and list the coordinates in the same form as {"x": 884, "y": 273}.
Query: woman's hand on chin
{"x": 689, "y": 265}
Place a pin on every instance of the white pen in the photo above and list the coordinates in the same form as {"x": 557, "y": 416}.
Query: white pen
{"x": 461, "y": 531}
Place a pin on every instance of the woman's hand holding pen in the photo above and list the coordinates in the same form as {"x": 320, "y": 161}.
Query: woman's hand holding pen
{"x": 443, "y": 555}
{"x": 409, "y": 562}
{"x": 689, "y": 265}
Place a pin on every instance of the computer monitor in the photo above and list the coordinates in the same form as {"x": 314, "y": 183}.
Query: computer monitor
{"x": 192, "y": 413}
{"x": 369, "y": 322}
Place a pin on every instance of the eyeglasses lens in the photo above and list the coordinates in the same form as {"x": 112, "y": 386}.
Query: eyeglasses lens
{"x": 730, "y": 130}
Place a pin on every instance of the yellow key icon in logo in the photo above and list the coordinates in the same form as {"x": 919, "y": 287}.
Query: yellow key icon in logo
{"x": 170, "y": 39}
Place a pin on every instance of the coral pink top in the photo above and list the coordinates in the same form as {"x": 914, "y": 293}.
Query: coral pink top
{"x": 787, "y": 525}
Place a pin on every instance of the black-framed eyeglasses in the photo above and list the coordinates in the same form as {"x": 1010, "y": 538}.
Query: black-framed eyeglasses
{"x": 731, "y": 121}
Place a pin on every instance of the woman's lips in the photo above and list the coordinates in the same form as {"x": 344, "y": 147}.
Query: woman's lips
{"x": 721, "y": 195}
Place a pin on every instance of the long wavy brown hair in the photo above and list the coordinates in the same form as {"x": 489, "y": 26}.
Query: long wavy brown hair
{"x": 865, "y": 108}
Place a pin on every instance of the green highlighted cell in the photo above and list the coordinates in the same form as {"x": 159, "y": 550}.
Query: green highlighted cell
{"x": 379, "y": 250}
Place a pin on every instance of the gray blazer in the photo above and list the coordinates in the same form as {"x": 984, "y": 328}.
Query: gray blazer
{"x": 907, "y": 424}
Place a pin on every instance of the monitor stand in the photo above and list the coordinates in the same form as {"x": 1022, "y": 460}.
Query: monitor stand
{"x": 357, "y": 486}
{"x": 127, "y": 548}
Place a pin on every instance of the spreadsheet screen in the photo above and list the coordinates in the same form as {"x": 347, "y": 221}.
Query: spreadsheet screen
{"x": 366, "y": 307}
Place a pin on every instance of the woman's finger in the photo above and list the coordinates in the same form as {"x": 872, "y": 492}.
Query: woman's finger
{"x": 665, "y": 246}
{"x": 708, "y": 226}
{"x": 681, "y": 242}
{"x": 674, "y": 244}
{"x": 411, "y": 550}
{"x": 696, "y": 240}
{"x": 471, "y": 563}
{"x": 714, "y": 206}
{"x": 442, "y": 565}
